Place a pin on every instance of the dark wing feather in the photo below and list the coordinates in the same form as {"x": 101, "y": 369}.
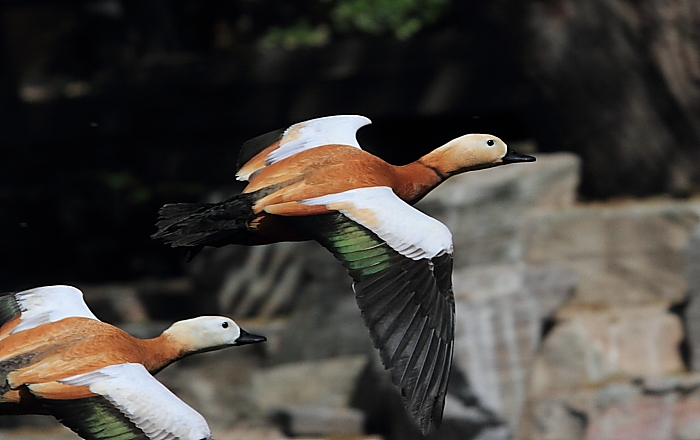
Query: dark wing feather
{"x": 94, "y": 418}
{"x": 252, "y": 147}
{"x": 9, "y": 308}
{"x": 407, "y": 304}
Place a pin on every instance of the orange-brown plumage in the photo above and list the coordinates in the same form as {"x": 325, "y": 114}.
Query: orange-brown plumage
{"x": 8, "y": 327}
{"x": 335, "y": 168}
{"x": 78, "y": 345}
{"x": 313, "y": 181}
{"x": 48, "y": 335}
{"x": 327, "y": 170}
{"x": 258, "y": 161}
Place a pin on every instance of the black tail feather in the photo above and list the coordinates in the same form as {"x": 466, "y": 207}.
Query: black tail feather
{"x": 174, "y": 212}
{"x": 204, "y": 224}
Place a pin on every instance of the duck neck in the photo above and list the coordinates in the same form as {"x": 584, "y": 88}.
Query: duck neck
{"x": 415, "y": 180}
{"x": 159, "y": 352}
{"x": 448, "y": 160}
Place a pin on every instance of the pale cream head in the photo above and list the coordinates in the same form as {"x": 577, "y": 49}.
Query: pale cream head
{"x": 471, "y": 152}
{"x": 206, "y": 333}
{"x": 475, "y": 149}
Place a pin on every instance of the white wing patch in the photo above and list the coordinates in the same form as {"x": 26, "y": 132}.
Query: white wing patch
{"x": 50, "y": 304}
{"x": 314, "y": 133}
{"x": 152, "y": 407}
{"x": 404, "y": 228}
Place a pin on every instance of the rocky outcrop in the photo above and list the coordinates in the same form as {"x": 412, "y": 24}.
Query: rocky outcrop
{"x": 650, "y": 409}
{"x": 328, "y": 383}
{"x": 501, "y": 311}
{"x": 312, "y": 397}
{"x": 589, "y": 350}
{"x": 692, "y": 311}
{"x": 625, "y": 255}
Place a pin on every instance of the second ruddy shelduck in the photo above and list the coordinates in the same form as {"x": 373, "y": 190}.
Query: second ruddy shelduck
{"x": 313, "y": 181}
{"x": 57, "y": 358}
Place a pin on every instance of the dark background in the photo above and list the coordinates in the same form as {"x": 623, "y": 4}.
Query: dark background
{"x": 111, "y": 108}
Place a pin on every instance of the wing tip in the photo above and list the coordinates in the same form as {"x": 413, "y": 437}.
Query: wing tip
{"x": 9, "y": 308}
{"x": 438, "y": 410}
{"x": 52, "y": 290}
{"x": 430, "y": 414}
{"x": 359, "y": 121}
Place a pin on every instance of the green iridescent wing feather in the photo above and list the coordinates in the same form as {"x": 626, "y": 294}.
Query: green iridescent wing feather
{"x": 9, "y": 308}
{"x": 94, "y": 418}
{"x": 407, "y": 304}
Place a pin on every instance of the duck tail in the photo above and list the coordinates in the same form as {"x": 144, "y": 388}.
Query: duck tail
{"x": 205, "y": 224}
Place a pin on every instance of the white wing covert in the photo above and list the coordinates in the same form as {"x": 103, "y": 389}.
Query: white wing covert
{"x": 49, "y": 304}
{"x": 302, "y": 136}
{"x": 130, "y": 404}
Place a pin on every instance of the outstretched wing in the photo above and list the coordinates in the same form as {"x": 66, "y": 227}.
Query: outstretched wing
{"x": 279, "y": 144}
{"x": 401, "y": 262}
{"x": 120, "y": 402}
{"x": 31, "y": 308}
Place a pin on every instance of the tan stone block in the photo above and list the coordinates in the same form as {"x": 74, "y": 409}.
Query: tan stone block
{"x": 499, "y": 316}
{"x": 327, "y": 383}
{"x": 593, "y": 347}
{"x": 624, "y": 255}
{"x": 645, "y": 418}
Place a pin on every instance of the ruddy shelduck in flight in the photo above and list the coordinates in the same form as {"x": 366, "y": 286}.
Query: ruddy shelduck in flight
{"x": 57, "y": 358}
{"x": 313, "y": 181}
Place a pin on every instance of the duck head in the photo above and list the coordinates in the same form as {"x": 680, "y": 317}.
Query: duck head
{"x": 472, "y": 152}
{"x": 208, "y": 333}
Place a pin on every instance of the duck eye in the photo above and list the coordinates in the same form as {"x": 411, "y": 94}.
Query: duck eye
{"x": 490, "y": 142}
{"x": 224, "y": 324}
